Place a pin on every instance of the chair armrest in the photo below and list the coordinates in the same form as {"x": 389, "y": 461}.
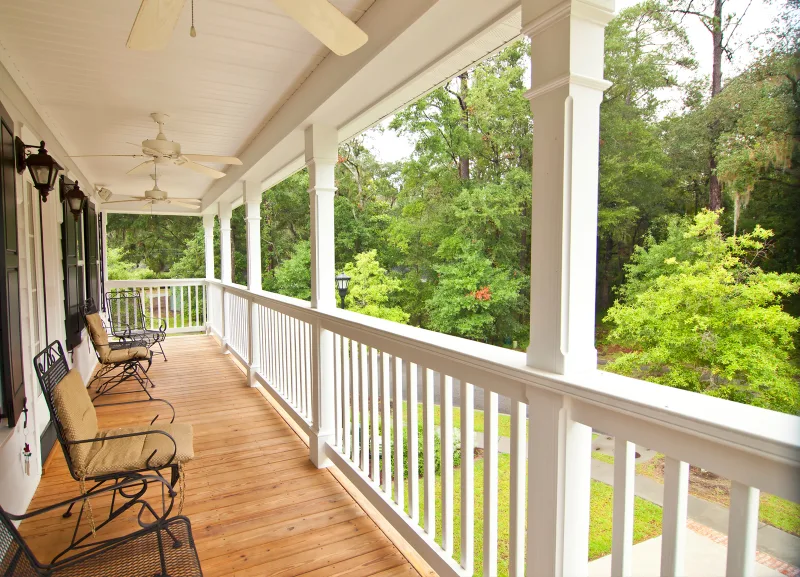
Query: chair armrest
{"x": 162, "y": 324}
{"x": 137, "y": 434}
{"x": 172, "y": 420}
{"x": 124, "y": 484}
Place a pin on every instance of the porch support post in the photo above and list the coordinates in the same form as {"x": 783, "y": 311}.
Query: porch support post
{"x": 208, "y": 237}
{"x": 567, "y": 41}
{"x": 252, "y": 200}
{"x": 321, "y": 153}
{"x": 225, "y": 263}
{"x": 208, "y": 245}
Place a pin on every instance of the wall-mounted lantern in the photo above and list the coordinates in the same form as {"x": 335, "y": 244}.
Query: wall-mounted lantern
{"x": 73, "y": 196}
{"x": 43, "y": 168}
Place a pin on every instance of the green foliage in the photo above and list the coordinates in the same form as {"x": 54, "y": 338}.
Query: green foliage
{"x": 293, "y": 276}
{"x": 700, "y": 315}
{"x": 475, "y": 299}
{"x": 371, "y": 289}
{"x": 119, "y": 269}
{"x": 437, "y": 451}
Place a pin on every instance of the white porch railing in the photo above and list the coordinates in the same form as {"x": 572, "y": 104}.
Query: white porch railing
{"x": 181, "y": 303}
{"x": 377, "y": 364}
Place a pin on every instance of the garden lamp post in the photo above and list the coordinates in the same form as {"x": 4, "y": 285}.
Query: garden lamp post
{"x": 342, "y": 282}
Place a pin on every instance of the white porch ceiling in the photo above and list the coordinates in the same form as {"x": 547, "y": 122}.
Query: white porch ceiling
{"x": 220, "y": 88}
{"x": 246, "y": 86}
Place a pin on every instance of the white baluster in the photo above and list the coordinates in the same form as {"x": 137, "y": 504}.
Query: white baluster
{"x": 429, "y": 467}
{"x": 183, "y": 318}
{"x": 490, "y": 484}
{"x": 467, "y": 477}
{"x": 337, "y": 391}
{"x": 363, "y": 379}
{"x": 386, "y": 423}
{"x": 373, "y": 414}
{"x": 446, "y": 400}
{"x": 354, "y": 408}
{"x": 742, "y": 530}
{"x": 411, "y": 373}
{"x": 397, "y": 385}
{"x": 346, "y": 388}
{"x": 189, "y": 298}
{"x": 622, "y": 525}
{"x": 673, "y": 544}
{"x": 516, "y": 548}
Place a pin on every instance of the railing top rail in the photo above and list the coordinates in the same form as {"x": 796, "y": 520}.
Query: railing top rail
{"x": 154, "y": 282}
{"x": 767, "y": 433}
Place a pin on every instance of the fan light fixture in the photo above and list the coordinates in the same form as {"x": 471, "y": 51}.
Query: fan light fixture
{"x": 74, "y": 197}
{"x": 43, "y": 168}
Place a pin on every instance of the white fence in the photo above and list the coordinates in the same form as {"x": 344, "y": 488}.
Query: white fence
{"x": 180, "y": 303}
{"x": 343, "y": 378}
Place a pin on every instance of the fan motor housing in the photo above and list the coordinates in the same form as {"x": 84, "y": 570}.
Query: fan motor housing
{"x": 166, "y": 148}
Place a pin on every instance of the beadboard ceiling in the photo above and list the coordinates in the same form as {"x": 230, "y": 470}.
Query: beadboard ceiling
{"x": 220, "y": 88}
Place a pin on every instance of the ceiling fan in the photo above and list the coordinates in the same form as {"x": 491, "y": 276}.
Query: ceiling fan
{"x": 162, "y": 151}
{"x": 156, "y": 21}
{"x": 152, "y": 197}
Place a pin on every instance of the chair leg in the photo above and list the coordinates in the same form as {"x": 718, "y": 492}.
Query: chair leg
{"x": 162, "y": 351}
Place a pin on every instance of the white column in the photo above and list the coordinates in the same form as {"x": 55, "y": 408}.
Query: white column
{"x": 252, "y": 200}
{"x": 567, "y": 42}
{"x": 225, "y": 242}
{"x": 321, "y": 154}
{"x": 208, "y": 236}
{"x": 224, "y": 212}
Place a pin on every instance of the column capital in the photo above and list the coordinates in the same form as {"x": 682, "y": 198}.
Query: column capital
{"x": 538, "y": 16}
{"x": 322, "y": 143}
{"x": 208, "y": 221}
{"x": 251, "y": 192}
{"x": 224, "y": 211}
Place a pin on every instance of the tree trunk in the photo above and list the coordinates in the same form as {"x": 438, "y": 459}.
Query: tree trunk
{"x": 463, "y": 160}
{"x": 714, "y": 187}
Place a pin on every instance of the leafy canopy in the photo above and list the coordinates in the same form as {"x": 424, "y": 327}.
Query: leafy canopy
{"x": 697, "y": 313}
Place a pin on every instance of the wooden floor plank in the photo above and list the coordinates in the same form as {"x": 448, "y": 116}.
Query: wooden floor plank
{"x": 257, "y": 504}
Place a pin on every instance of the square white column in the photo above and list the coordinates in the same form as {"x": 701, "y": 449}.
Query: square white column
{"x": 225, "y": 242}
{"x": 208, "y": 238}
{"x": 321, "y": 156}
{"x": 567, "y": 47}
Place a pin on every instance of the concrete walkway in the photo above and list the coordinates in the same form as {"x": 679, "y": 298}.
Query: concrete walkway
{"x": 774, "y": 542}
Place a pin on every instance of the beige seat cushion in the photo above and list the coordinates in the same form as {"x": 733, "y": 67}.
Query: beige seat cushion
{"x": 108, "y": 356}
{"x": 131, "y": 453}
{"x": 77, "y": 415}
{"x": 97, "y": 331}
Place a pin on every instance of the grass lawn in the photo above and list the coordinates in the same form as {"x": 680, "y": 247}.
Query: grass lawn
{"x": 647, "y": 516}
{"x": 779, "y": 513}
{"x": 503, "y": 421}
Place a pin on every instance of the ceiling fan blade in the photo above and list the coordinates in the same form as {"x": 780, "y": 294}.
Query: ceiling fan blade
{"x": 107, "y": 155}
{"x": 186, "y": 204}
{"x": 141, "y": 168}
{"x": 323, "y": 20}
{"x": 137, "y": 199}
{"x": 202, "y": 169}
{"x": 154, "y": 24}
{"x": 212, "y": 158}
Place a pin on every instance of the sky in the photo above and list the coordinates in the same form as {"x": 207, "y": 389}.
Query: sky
{"x": 390, "y": 147}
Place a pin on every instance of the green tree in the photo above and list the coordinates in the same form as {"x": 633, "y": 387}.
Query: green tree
{"x": 119, "y": 269}
{"x": 476, "y": 300}
{"x": 293, "y": 276}
{"x": 371, "y": 289}
{"x": 699, "y": 314}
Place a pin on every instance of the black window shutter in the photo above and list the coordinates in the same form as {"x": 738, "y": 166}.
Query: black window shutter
{"x": 11, "y": 370}
{"x": 73, "y": 275}
{"x": 102, "y": 252}
{"x": 92, "y": 253}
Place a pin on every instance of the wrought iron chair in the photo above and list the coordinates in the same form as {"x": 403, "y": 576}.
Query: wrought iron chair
{"x": 101, "y": 456}
{"x": 164, "y": 547}
{"x": 119, "y": 361}
{"x": 129, "y": 323}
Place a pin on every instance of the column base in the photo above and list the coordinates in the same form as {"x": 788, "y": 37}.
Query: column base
{"x": 317, "y": 450}
{"x": 251, "y": 375}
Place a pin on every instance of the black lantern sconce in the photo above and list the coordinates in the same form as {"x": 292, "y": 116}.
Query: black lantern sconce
{"x": 43, "y": 168}
{"x": 342, "y": 282}
{"x": 72, "y": 194}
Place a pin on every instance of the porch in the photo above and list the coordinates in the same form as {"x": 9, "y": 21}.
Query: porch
{"x": 257, "y": 505}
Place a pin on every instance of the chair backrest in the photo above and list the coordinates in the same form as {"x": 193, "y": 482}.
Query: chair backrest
{"x": 125, "y": 311}
{"x": 70, "y": 406}
{"x": 16, "y": 559}
{"x": 96, "y": 329}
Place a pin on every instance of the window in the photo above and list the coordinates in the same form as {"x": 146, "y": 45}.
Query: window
{"x": 72, "y": 240}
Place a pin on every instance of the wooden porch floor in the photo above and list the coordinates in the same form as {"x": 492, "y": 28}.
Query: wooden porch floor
{"x": 257, "y": 504}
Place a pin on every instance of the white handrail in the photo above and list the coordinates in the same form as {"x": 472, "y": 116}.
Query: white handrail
{"x": 756, "y": 448}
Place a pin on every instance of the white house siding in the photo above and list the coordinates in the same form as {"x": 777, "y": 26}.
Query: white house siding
{"x": 17, "y": 488}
